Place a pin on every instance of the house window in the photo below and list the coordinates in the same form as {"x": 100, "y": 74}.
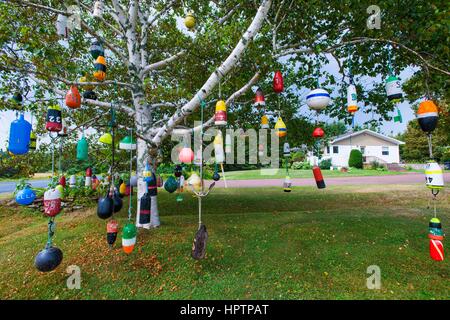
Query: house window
{"x": 385, "y": 151}
{"x": 363, "y": 150}
{"x": 335, "y": 149}
{"x": 328, "y": 149}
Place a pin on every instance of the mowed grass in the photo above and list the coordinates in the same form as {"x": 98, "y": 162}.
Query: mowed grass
{"x": 263, "y": 244}
{"x": 281, "y": 173}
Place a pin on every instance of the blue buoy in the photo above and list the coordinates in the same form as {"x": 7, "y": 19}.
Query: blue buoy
{"x": 19, "y": 136}
{"x": 25, "y": 196}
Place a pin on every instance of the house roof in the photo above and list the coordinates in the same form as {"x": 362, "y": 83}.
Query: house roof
{"x": 366, "y": 131}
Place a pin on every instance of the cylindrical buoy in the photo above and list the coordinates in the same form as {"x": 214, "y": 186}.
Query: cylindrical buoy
{"x": 318, "y": 177}
{"x": 278, "y": 82}
{"x": 100, "y": 68}
{"x": 145, "y": 209}
{"x": 434, "y": 178}
{"x": 264, "y": 122}
{"x": 62, "y": 181}
{"x": 54, "y": 119}
{"x": 129, "y": 234}
{"x": 96, "y": 49}
{"x": 435, "y": 229}
{"x": 64, "y": 130}
{"x": 112, "y": 228}
{"x": 286, "y": 150}
{"x": 72, "y": 181}
{"x": 48, "y": 259}
{"x": 88, "y": 179}
{"x": 33, "y": 141}
{"x": 393, "y": 89}
{"x": 287, "y": 184}
{"x": 218, "y": 148}
{"x": 82, "y": 149}
{"x": 318, "y": 99}
{"x": 352, "y": 100}
{"x": 280, "y": 128}
{"x": 259, "y": 98}
{"x": 427, "y": 116}
{"x": 220, "y": 117}
{"x": 52, "y": 202}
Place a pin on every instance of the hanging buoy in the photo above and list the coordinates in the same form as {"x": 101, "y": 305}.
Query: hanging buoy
{"x": 145, "y": 209}
{"x": 106, "y": 138}
{"x": 171, "y": 184}
{"x": 127, "y": 143}
{"x": 25, "y": 196}
{"x": 82, "y": 149}
{"x": 48, "y": 259}
{"x": 318, "y": 133}
{"x": 33, "y": 141}
{"x": 52, "y": 202}
{"x": 17, "y": 98}
{"x": 393, "y": 89}
{"x": 98, "y": 9}
{"x": 286, "y": 150}
{"x": 318, "y": 177}
{"x": 117, "y": 202}
{"x": 19, "y": 136}
{"x": 200, "y": 242}
{"x": 61, "y": 26}
{"x": 189, "y": 21}
{"x": 62, "y": 181}
{"x": 133, "y": 181}
{"x": 220, "y": 117}
{"x": 73, "y": 98}
{"x": 264, "y": 122}
{"x": 287, "y": 184}
{"x": 95, "y": 182}
{"x": 152, "y": 185}
{"x": 100, "y": 68}
{"x": 436, "y": 235}
{"x": 186, "y": 155}
{"x": 72, "y": 181}
{"x": 129, "y": 233}
{"x": 278, "y": 83}
{"x": 105, "y": 207}
{"x": 112, "y": 227}
{"x": 428, "y": 116}
{"x": 433, "y": 176}
{"x": 228, "y": 146}
{"x": 63, "y": 133}
{"x": 123, "y": 189}
{"x": 96, "y": 50}
{"x": 216, "y": 176}
{"x": 218, "y": 148}
{"x": 352, "y": 102}
{"x": 178, "y": 171}
{"x": 318, "y": 99}
{"x": 89, "y": 94}
{"x": 259, "y": 98}
{"x": 54, "y": 119}
{"x": 88, "y": 179}
{"x": 280, "y": 128}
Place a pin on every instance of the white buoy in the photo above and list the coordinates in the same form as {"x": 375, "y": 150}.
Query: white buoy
{"x": 318, "y": 99}
{"x": 434, "y": 176}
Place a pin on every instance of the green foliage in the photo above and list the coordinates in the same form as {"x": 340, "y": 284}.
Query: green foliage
{"x": 298, "y": 156}
{"x": 298, "y": 165}
{"x": 325, "y": 164}
{"x": 356, "y": 159}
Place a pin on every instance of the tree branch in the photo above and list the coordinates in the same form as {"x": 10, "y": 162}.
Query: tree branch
{"x": 161, "y": 64}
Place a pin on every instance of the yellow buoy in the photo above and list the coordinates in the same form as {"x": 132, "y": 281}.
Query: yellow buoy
{"x": 189, "y": 21}
{"x": 280, "y": 128}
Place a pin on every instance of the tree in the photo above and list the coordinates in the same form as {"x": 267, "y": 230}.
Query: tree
{"x": 158, "y": 73}
{"x": 356, "y": 159}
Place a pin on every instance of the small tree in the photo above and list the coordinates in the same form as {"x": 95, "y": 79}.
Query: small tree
{"x": 356, "y": 159}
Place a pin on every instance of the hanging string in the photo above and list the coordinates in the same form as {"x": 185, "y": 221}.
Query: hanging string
{"x": 51, "y": 231}
{"x": 430, "y": 146}
{"x": 130, "y": 203}
{"x": 389, "y": 59}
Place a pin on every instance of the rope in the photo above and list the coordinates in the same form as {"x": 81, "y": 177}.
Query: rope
{"x": 430, "y": 146}
{"x": 130, "y": 203}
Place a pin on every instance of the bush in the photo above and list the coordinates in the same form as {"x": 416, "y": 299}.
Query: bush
{"x": 374, "y": 165}
{"x": 300, "y": 165}
{"x": 298, "y": 156}
{"x": 356, "y": 159}
{"x": 325, "y": 164}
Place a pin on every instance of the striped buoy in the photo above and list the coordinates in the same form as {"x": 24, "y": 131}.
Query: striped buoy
{"x": 33, "y": 140}
{"x": 393, "y": 89}
{"x": 352, "y": 100}
{"x": 220, "y": 117}
{"x": 318, "y": 99}
{"x": 54, "y": 119}
{"x": 111, "y": 231}
{"x": 52, "y": 202}
{"x": 145, "y": 209}
{"x": 100, "y": 68}
{"x": 434, "y": 178}
{"x": 280, "y": 128}
{"x": 129, "y": 234}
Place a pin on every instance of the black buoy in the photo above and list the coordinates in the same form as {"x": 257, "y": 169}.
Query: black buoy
{"x": 105, "y": 207}
{"x": 216, "y": 176}
{"x": 48, "y": 259}
{"x": 118, "y": 202}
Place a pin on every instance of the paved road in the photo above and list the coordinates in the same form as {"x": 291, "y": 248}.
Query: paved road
{"x": 10, "y": 186}
{"x": 408, "y": 178}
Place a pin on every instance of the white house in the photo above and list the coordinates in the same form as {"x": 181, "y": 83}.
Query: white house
{"x": 374, "y": 147}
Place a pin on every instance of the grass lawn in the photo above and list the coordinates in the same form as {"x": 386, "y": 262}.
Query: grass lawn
{"x": 281, "y": 173}
{"x": 263, "y": 244}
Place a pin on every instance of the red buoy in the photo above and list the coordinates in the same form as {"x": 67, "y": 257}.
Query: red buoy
{"x": 259, "y": 98}
{"x": 318, "y": 132}
{"x": 318, "y": 177}
{"x": 278, "y": 84}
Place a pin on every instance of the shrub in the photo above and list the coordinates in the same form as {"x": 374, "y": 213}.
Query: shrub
{"x": 325, "y": 164}
{"x": 298, "y": 156}
{"x": 300, "y": 165}
{"x": 356, "y": 159}
{"x": 375, "y": 165}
